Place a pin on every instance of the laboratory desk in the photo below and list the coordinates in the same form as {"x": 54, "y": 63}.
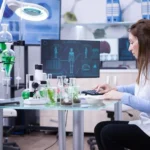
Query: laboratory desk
{"x": 78, "y": 117}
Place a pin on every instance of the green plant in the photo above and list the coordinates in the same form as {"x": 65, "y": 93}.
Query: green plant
{"x": 51, "y": 95}
{"x": 75, "y": 93}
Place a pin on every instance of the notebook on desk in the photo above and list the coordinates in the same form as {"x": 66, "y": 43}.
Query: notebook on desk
{"x": 4, "y": 102}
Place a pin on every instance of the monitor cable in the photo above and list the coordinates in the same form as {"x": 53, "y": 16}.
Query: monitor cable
{"x": 57, "y": 136}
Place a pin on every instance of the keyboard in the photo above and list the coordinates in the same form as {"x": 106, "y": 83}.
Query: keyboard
{"x": 91, "y": 92}
{"x": 9, "y": 102}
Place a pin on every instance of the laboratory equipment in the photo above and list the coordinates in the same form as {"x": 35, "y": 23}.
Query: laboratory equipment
{"x": 43, "y": 89}
{"x": 67, "y": 95}
{"x": 25, "y": 94}
{"x": 38, "y": 72}
{"x": 36, "y": 88}
{"x": 76, "y": 92}
{"x": 52, "y": 95}
{"x": 31, "y": 82}
{"x": 27, "y": 11}
{"x": 2, "y": 48}
{"x": 7, "y": 55}
{"x": 5, "y": 36}
{"x": 49, "y": 78}
{"x": 59, "y": 88}
{"x": 8, "y": 60}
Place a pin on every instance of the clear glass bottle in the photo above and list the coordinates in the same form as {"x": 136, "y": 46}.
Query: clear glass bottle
{"x": 43, "y": 89}
{"x": 59, "y": 88}
{"x": 5, "y": 35}
{"x": 72, "y": 81}
{"x": 49, "y": 80}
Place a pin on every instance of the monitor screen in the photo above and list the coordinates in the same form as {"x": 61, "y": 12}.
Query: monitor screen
{"x": 33, "y": 31}
{"x": 72, "y": 58}
{"x": 109, "y": 50}
{"x": 124, "y": 53}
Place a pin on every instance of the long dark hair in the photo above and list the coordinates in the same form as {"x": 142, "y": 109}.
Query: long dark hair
{"x": 141, "y": 29}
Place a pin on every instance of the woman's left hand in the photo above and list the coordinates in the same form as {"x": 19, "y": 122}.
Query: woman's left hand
{"x": 113, "y": 95}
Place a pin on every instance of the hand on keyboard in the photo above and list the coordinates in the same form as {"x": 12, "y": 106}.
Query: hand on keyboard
{"x": 91, "y": 92}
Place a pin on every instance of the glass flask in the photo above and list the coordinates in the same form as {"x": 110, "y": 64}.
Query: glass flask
{"x": 8, "y": 59}
{"x": 5, "y": 37}
{"x": 2, "y": 48}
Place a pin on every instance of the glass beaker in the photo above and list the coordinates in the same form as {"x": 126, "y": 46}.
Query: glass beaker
{"x": 72, "y": 81}
{"x": 59, "y": 88}
{"x": 67, "y": 95}
{"x": 60, "y": 81}
{"x": 65, "y": 82}
{"x": 76, "y": 93}
{"x": 52, "y": 95}
{"x": 43, "y": 90}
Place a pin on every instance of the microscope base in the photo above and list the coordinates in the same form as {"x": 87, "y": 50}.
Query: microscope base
{"x": 35, "y": 101}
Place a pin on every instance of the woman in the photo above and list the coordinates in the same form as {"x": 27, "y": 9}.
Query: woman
{"x": 133, "y": 135}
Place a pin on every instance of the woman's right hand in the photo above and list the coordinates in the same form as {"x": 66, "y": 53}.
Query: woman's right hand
{"x": 104, "y": 88}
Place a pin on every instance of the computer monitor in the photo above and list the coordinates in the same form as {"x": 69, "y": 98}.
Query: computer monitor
{"x": 109, "y": 49}
{"x": 73, "y": 58}
{"x": 124, "y": 53}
